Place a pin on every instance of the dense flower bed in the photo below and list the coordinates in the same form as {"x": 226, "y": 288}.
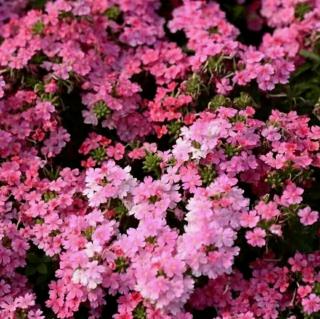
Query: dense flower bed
{"x": 159, "y": 159}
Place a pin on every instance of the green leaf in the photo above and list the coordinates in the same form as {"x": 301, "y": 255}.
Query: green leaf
{"x": 38, "y": 28}
{"x": 151, "y": 164}
{"x": 140, "y": 312}
{"x": 113, "y": 13}
{"x": 310, "y": 55}
{"x": 30, "y": 270}
{"x": 33, "y": 258}
{"x": 101, "y": 109}
{"x": 37, "y": 4}
{"x": 42, "y": 269}
{"x": 301, "y": 10}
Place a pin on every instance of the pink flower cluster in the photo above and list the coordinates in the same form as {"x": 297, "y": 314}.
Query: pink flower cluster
{"x": 168, "y": 195}
{"x": 84, "y": 41}
{"x": 269, "y": 291}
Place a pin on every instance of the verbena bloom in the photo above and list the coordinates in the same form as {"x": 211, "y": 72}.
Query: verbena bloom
{"x": 307, "y": 216}
{"x": 256, "y": 237}
{"x": 142, "y": 151}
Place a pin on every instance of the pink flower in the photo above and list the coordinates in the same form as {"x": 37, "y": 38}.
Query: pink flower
{"x": 51, "y": 87}
{"x": 223, "y": 86}
{"x": 116, "y": 151}
{"x": 267, "y": 211}
{"x": 276, "y": 230}
{"x": 291, "y": 195}
{"x": 304, "y": 291}
{"x": 2, "y": 86}
{"x": 249, "y": 219}
{"x": 256, "y": 237}
{"x": 247, "y": 315}
{"x": 307, "y": 216}
{"x": 311, "y": 304}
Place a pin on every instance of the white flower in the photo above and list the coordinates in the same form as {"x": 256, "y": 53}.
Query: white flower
{"x": 92, "y": 249}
